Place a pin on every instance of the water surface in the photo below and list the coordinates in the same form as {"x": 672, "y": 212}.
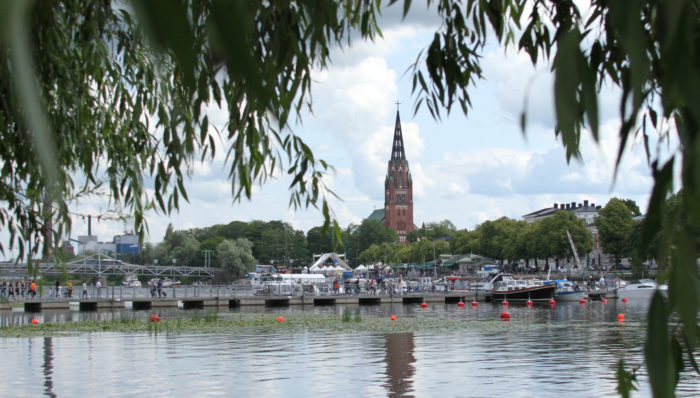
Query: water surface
{"x": 570, "y": 350}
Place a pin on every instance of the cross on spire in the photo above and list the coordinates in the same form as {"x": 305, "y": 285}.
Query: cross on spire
{"x": 397, "y": 105}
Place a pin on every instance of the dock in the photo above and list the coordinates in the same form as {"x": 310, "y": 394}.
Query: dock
{"x": 231, "y": 301}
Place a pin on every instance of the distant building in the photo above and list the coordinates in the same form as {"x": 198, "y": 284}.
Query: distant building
{"x": 120, "y": 244}
{"x": 584, "y": 210}
{"x": 127, "y": 244}
{"x": 397, "y": 213}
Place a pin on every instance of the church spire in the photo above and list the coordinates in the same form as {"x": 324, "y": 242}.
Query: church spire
{"x": 397, "y": 151}
{"x": 398, "y": 188}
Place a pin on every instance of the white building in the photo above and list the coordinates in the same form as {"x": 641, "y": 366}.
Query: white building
{"x": 584, "y": 210}
{"x": 120, "y": 244}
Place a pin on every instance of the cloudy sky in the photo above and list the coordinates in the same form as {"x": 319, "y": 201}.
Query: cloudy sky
{"x": 467, "y": 169}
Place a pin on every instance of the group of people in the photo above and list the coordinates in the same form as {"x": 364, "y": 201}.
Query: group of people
{"x": 17, "y": 289}
{"x": 23, "y": 289}
{"x": 158, "y": 288}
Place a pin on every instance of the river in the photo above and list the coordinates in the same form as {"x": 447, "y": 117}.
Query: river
{"x": 570, "y": 350}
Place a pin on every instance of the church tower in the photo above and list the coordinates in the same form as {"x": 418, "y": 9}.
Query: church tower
{"x": 398, "y": 189}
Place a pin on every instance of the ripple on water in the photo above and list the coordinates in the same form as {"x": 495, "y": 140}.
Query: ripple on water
{"x": 570, "y": 350}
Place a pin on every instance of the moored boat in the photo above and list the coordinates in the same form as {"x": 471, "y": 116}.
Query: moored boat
{"x": 506, "y": 287}
{"x": 567, "y": 291}
{"x": 640, "y": 289}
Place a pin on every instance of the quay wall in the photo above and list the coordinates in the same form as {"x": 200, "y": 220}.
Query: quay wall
{"x": 230, "y": 301}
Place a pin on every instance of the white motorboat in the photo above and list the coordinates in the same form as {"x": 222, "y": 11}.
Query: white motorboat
{"x": 568, "y": 291}
{"x": 640, "y": 289}
{"x": 132, "y": 281}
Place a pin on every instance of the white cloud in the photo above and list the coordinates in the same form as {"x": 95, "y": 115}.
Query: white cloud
{"x": 465, "y": 169}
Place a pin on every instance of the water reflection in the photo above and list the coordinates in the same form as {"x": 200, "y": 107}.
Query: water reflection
{"x": 399, "y": 364}
{"x": 48, "y": 367}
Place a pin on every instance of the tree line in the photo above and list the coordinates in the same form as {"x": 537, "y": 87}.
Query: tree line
{"x": 238, "y": 246}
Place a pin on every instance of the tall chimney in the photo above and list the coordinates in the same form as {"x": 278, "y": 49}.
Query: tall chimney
{"x": 555, "y": 205}
{"x": 585, "y": 203}
{"x": 89, "y": 225}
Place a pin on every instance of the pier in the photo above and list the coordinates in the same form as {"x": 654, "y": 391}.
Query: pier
{"x": 189, "y": 302}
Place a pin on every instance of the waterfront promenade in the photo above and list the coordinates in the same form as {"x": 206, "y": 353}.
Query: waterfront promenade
{"x": 200, "y": 299}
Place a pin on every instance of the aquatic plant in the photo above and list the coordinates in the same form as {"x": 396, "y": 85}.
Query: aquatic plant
{"x": 346, "y": 315}
{"x": 211, "y": 316}
{"x": 266, "y": 323}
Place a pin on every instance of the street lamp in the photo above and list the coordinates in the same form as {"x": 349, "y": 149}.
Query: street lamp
{"x": 434, "y": 261}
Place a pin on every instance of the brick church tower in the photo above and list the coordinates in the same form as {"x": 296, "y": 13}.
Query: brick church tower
{"x": 398, "y": 189}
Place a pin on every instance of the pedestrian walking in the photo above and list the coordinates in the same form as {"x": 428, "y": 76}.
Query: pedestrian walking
{"x": 98, "y": 285}
{"x": 85, "y": 295}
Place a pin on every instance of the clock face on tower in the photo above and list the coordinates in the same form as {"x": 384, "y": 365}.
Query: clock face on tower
{"x": 401, "y": 198}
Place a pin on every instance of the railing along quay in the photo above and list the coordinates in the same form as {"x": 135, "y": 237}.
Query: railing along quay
{"x": 137, "y": 298}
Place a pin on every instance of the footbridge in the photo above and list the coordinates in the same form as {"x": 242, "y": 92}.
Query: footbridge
{"x": 105, "y": 266}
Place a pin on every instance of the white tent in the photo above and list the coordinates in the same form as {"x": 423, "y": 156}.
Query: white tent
{"x": 362, "y": 267}
{"x": 337, "y": 260}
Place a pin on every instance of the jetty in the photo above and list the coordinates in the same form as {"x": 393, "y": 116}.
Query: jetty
{"x": 187, "y": 302}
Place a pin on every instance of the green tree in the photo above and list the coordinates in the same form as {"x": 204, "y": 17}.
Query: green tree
{"x": 496, "y": 237}
{"x": 465, "y": 242}
{"x": 441, "y": 229}
{"x": 188, "y": 253}
{"x": 553, "y": 238}
{"x": 632, "y": 206}
{"x": 373, "y": 232}
{"x": 413, "y": 236}
{"x": 516, "y": 248}
{"x": 615, "y": 228}
{"x": 236, "y": 257}
{"x": 320, "y": 240}
{"x": 532, "y": 243}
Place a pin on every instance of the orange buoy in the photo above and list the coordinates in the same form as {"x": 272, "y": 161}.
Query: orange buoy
{"x": 604, "y": 300}
{"x": 35, "y": 321}
{"x": 280, "y": 319}
{"x": 393, "y": 317}
{"x": 620, "y": 317}
{"x": 624, "y": 299}
{"x": 424, "y": 305}
{"x": 552, "y": 303}
{"x": 460, "y": 304}
{"x": 529, "y": 303}
{"x": 505, "y": 303}
{"x": 582, "y": 301}
{"x": 505, "y": 315}
{"x": 475, "y": 303}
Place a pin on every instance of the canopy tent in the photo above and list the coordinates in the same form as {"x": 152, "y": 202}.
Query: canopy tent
{"x": 338, "y": 263}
